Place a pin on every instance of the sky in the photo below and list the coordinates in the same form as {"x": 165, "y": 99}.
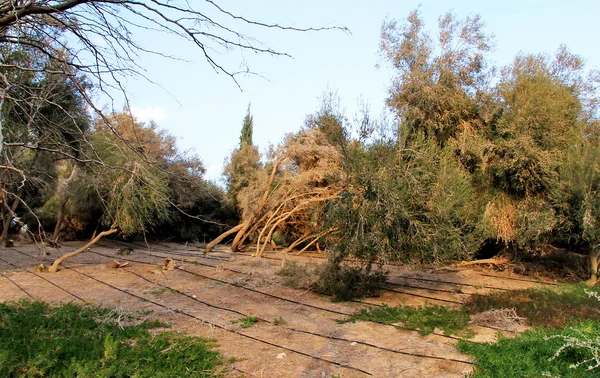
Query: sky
{"x": 204, "y": 110}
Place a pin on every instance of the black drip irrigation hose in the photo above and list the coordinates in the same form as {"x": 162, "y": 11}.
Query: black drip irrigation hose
{"x": 154, "y": 254}
{"x": 521, "y": 279}
{"x": 195, "y": 317}
{"x": 43, "y": 278}
{"x": 289, "y": 300}
{"x": 425, "y": 288}
{"x": 306, "y": 304}
{"x": 172, "y": 251}
{"x": 418, "y": 279}
{"x": 238, "y": 286}
{"x": 222, "y": 327}
{"x": 295, "y": 329}
{"x": 242, "y": 314}
{"x": 17, "y": 285}
{"x": 271, "y": 295}
{"x": 453, "y": 283}
{"x": 420, "y": 295}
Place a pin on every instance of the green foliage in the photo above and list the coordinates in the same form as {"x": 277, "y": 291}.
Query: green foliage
{"x": 244, "y": 162}
{"x": 67, "y": 341}
{"x": 541, "y": 306}
{"x": 347, "y": 282}
{"x": 424, "y": 318}
{"x": 529, "y": 354}
{"x": 247, "y": 130}
{"x": 247, "y": 321}
{"x": 413, "y": 204}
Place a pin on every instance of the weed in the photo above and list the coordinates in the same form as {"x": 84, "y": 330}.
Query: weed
{"x": 425, "y": 318}
{"x": 531, "y": 353}
{"x": 542, "y": 306}
{"x": 247, "y": 322}
{"x": 346, "y": 282}
{"x": 158, "y": 291}
{"x": 279, "y": 321}
{"x": 68, "y": 341}
{"x": 342, "y": 282}
{"x": 297, "y": 275}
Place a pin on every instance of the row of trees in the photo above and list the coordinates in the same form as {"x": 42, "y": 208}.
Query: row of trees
{"x": 68, "y": 164}
{"x": 476, "y": 156}
{"x": 82, "y": 176}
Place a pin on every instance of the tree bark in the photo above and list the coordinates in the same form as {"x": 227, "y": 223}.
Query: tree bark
{"x": 5, "y": 223}
{"x": 236, "y": 241}
{"x": 54, "y": 267}
{"x": 593, "y": 259}
{"x": 212, "y": 244}
{"x": 59, "y": 220}
{"x": 7, "y": 217}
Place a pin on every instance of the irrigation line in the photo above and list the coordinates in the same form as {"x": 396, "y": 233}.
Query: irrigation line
{"x": 521, "y": 279}
{"x": 234, "y": 284}
{"x": 153, "y": 254}
{"x": 286, "y": 299}
{"x": 275, "y": 296}
{"x": 222, "y": 327}
{"x": 453, "y": 283}
{"x": 295, "y": 329}
{"x": 171, "y": 251}
{"x": 43, "y": 278}
{"x": 420, "y": 295}
{"x": 17, "y": 285}
{"x": 419, "y": 279}
{"x": 380, "y": 287}
{"x": 447, "y": 282}
{"x": 309, "y": 305}
{"x": 425, "y": 288}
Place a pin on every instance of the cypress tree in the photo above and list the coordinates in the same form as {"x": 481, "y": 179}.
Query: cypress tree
{"x": 246, "y": 135}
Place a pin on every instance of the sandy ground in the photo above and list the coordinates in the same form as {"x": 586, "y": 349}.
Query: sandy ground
{"x": 207, "y": 295}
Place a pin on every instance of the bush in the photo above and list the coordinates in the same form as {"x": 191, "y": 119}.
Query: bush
{"x": 346, "y": 282}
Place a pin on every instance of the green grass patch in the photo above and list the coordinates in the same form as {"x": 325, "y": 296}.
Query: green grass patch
{"x": 554, "y": 307}
{"x": 529, "y": 354}
{"x": 425, "y": 318}
{"x": 247, "y": 322}
{"x": 39, "y": 340}
{"x": 160, "y": 291}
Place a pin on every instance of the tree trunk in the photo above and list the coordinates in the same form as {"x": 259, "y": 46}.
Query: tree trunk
{"x": 235, "y": 246}
{"x": 593, "y": 256}
{"x": 7, "y": 216}
{"x": 54, "y": 267}
{"x": 5, "y": 224}
{"x": 237, "y": 241}
{"x": 59, "y": 220}
{"x": 212, "y": 244}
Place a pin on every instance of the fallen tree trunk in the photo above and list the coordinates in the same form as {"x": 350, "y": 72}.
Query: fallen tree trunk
{"x": 493, "y": 260}
{"x": 54, "y": 267}
{"x": 210, "y": 246}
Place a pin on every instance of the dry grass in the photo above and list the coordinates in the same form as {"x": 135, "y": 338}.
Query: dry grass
{"x": 505, "y": 318}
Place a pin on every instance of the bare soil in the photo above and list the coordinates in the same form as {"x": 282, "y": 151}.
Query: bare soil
{"x": 207, "y": 295}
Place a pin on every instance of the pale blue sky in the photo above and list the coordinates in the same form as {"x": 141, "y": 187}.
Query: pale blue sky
{"x": 205, "y": 110}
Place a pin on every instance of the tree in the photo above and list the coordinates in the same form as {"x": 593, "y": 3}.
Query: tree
{"x": 133, "y": 193}
{"x": 287, "y": 194}
{"x": 94, "y": 41}
{"x": 45, "y": 121}
{"x": 441, "y": 87}
{"x": 243, "y": 163}
{"x": 247, "y": 129}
